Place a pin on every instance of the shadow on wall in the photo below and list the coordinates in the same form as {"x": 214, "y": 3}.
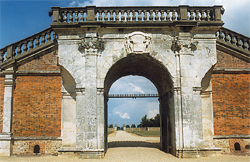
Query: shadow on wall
{"x": 133, "y": 144}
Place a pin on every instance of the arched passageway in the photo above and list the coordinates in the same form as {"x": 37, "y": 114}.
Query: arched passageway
{"x": 146, "y": 66}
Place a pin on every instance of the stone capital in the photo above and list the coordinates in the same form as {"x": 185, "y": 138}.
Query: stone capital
{"x": 184, "y": 46}
{"x": 91, "y": 45}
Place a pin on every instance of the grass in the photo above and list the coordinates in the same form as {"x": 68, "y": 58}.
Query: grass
{"x": 109, "y": 132}
{"x": 146, "y": 133}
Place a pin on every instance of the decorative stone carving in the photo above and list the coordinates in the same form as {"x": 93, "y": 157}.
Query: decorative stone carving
{"x": 91, "y": 43}
{"x": 138, "y": 43}
{"x": 181, "y": 47}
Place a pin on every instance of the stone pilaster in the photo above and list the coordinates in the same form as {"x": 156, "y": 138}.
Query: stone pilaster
{"x": 6, "y": 135}
{"x": 90, "y": 109}
{"x": 190, "y": 108}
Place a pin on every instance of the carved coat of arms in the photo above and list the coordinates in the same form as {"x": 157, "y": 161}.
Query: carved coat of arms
{"x": 138, "y": 43}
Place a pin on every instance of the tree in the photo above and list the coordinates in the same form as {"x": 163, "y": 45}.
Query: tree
{"x": 111, "y": 126}
{"x": 153, "y": 122}
{"x": 127, "y": 126}
{"x": 133, "y": 126}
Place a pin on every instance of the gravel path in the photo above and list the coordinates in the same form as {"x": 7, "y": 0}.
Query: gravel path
{"x": 125, "y": 147}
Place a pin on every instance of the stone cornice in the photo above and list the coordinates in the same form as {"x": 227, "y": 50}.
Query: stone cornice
{"x": 231, "y": 71}
{"x": 232, "y": 136}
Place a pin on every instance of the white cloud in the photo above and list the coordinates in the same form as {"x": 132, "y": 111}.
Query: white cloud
{"x": 123, "y": 116}
{"x": 136, "y": 88}
{"x": 152, "y": 113}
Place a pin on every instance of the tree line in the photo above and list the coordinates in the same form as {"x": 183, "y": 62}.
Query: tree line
{"x": 152, "y": 122}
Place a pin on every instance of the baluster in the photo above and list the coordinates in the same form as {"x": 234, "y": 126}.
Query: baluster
{"x": 106, "y": 15}
{"x": 145, "y": 15}
{"x": 151, "y": 17}
{"x": 133, "y": 15}
{"x": 208, "y": 15}
{"x": 173, "y": 15}
{"x": 226, "y": 37}
{"x": 232, "y": 39}
{"x": 248, "y": 42}
{"x": 65, "y": 16}
{"x": 191, "y": 15}
{"x": 49, "y": 36}
{"x": 139, "y": 15}
{"x": 82, "y": 16}
{"x": 19, "y": 51}
{"x": 122, "y": 15}
{"x": 168, "y": 15}
{"x": 238, "y": 42}
{"x": 128, "y": 15}
{"x": 25, "y": 48}
{"x": 116, "y": 15}
{"x": 70, "y": 16}
{"x": 197, "y": 17}
{"x": 203, "y": 18}
{"x": 100, "y": 15}
{"x": 76, "y": 16}
{"x": 43, "y": 38}
{"x": 31, "y": 46}
{"x": 111, "y": 15}
{"x": 54, "y": 35}
{"x": 156, "y": 15}
{"x": 244, "y": 46}
{"x": 162, "y": 15}
{"x": 2, "y": 56}
{"x": 220, "y": 35}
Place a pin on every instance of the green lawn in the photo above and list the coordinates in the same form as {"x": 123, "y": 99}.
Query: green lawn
{"x": 109, "y": 132}
{"x": 146, "y": 133}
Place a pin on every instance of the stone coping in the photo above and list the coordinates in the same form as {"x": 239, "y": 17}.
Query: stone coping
{"x": 231, "y": 136}
{"x": 37, "y": 138}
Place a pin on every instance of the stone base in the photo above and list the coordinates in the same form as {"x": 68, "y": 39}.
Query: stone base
{"x": 92, "y": 155}
{"x": 5, "y": 144}
{"x": 195, "y": 153}
{"x": 82, "y": 154}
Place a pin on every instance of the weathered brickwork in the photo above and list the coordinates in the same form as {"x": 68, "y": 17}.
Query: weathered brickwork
{"x": 37, "y": 106}
{"x": 26, "y": 147}
{"x": 45, "y": 62}
{"x": 231, "y": 104}
{"x": 231, "y": 97}
{"x": 225, "y": 60}
{"x": 1, "y": 102}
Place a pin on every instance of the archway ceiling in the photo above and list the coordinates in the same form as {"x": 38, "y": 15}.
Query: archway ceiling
{"x": 141, "y": 65}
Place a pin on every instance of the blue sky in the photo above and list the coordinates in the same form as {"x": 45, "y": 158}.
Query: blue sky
{"x": 20, "y": 19}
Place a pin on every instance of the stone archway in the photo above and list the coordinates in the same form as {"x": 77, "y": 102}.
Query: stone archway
{"x": 146, "y": 66}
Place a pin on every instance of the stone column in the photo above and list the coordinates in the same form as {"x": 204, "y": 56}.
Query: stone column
{"x": 6, "y": 135}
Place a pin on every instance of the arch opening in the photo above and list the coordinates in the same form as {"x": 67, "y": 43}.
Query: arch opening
{"x": 153, "y": 70}
{"x": 237, "y": 146}
{"x": 36, "y": 149}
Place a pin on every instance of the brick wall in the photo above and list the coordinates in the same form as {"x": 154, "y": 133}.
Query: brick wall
{"x": 37, "y": 106}
{"x": 37, "y": 99}
{"x": 1, "y": 102}
{"x": 231, "y": 101}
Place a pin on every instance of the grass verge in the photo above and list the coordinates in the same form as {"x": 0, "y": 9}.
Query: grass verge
{"x": 109, "y": 132}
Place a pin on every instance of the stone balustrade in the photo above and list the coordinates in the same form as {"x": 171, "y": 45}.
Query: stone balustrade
{"x": 27, "y": 45}
{"x": 145, "y": 14}
{"x": 233, "y": 38}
